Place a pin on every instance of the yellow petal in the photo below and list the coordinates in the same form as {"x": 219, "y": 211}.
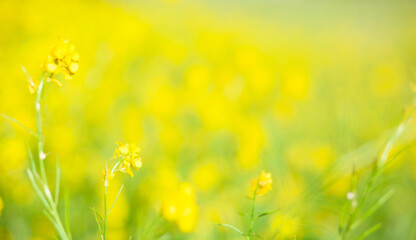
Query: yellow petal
{"x": 51, "y": 67}
{"x": 128, "y": 170}
{"x": 54, "y": 80}
{"x": 73, "y": 67}
{"x": 137, "y": 164}
{"x": 123, "y": 149}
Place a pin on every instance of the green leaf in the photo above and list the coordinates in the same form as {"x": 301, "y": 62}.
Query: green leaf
{"x": 267, "y": 213}
{"x": 373, "y": 209}
{"x": 17, "y": 122}
{"x": 96, "y": 214}
{"x": 38, "y": 191}
{"x": 31, "y": 159}
{"x": 118, "y": 195}
{"x": 29, "y": 78}
{"x": 67, "y": 226}
{"x": 231, "y": 227}
{"x": 50, "y": 219}
{"x": 369, "y": 231}
{"x": 257, "y": 236}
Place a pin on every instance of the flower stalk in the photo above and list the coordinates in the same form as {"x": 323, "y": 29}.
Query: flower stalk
{"x": 127, "y": 156}
{"x": 65, "y": 59}
{"x": 253, "y": 208}
{"x": 105, "y": 209}
{"x": 42, "y": 155}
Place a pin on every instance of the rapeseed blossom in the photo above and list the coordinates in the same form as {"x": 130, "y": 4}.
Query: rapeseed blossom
{"x": 261, "y": 184}
{"x": 64, "y": 59}
{"x": 128, "y": 154}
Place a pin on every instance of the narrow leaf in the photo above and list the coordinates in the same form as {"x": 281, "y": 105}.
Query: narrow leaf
{"x": 98, "y": 214}
{"x": 373, "y": 209}
{"x": 369, "y": 231}
{"x": 51, "y": 220}
{"x": 231, "y": 227}
{"x": 17, "y": 122}
{"x": 38, "y": 191}
{"x": 58, "y": 179}
{"x": 67, "y": 226}
{"x": 257, "y": 236}
{"x": 98, "y": 222}
{"x": 31, "y": 159}
{"x": 267, "y": 213}
{"x": 118, "y": 195}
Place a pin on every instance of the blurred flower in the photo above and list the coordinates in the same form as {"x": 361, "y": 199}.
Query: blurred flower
{"x": 129, "y": 157}
{"x": 63, "y": 58}
{"x": 180, "y": 207}
{"x": 285, "y": 227}
{"x": 206, "y": 176}
{"x": 261, "y": 184}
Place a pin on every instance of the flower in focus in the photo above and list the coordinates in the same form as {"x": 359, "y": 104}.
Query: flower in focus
{"x": 129, "y": 157}
{"x": 62, "y": 59}
{"x": 180, "y": 207}
{"x": 261, "y": 184}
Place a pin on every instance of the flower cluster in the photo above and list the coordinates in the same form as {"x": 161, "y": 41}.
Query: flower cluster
{"x": 261, "y": 184}
{"x": 181, "y": 207}
{"x": 62, "y": 59}
{"x": 128, "y": 154}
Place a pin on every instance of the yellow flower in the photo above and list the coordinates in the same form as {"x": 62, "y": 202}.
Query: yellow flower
{"x": 180, "y": 207}
{"x": 129, "y": 157}
{"x": 261, "y": 184}
{"x": 62, "y": 59}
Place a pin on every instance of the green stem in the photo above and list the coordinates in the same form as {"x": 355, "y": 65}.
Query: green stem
{"x": 377, "y": 169}
{"x": 61, "y": 229}
{"x": 105, "y": 209}
{"x": 41, "y": 152}
{"x": 250, "y": 229}
{"x": 53, "y": 211}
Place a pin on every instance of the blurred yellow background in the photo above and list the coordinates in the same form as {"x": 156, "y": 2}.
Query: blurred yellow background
{"x": 213, "y": 92}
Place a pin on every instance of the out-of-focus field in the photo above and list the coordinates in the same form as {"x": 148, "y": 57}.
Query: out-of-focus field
{"x": 213, "y": 92}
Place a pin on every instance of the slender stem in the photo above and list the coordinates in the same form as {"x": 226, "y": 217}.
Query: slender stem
{"x": 52, "y": 209}
{"x": 42, "y": 156}
{"x": 61, "y": 229}
{"x": 105, "y": 209}
{"x": 250, "y": 230}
